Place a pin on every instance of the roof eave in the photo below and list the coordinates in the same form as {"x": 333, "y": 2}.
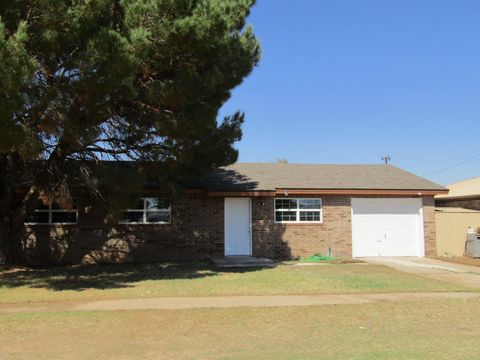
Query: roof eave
{"x": 417, "y": 192}
{"x": 291, "y": 191}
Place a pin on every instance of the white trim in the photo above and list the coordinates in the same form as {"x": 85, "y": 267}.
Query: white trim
{"x": 353, "y": 228}
{"x": 50, "y": 212}
{"x": 251, "y": 228}
{"x": 250, "y": 239}
{"x": 297, "y": 210}
{"x": 225, "y": 226}
{"x": 144, "y": 212}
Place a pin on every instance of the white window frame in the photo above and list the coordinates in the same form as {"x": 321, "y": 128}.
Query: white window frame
{"x": 50, "y": 212}
{"x": 144, "y": 211}
{"x": 298, "y": 211}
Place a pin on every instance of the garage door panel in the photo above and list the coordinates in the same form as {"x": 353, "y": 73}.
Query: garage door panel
{"x": 386, "y": 227}
{"x": 382, "y": 209}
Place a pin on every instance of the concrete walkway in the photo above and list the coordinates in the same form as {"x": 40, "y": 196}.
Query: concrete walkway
{"x": 178, "y": 303}
{"x": 466, "y": 275}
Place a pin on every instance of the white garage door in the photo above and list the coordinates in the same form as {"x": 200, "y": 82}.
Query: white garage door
{"x": 387, "y": 227}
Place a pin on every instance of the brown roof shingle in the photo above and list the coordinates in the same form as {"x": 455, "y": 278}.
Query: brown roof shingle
{"x": 271, "y": 176}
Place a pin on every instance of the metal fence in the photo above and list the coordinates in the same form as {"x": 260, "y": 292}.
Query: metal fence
{"x": 451, "y": 227}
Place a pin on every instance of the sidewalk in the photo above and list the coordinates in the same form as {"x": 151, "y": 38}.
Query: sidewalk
{"x": 466, "y": 275}
{"x": 178, "y": 303}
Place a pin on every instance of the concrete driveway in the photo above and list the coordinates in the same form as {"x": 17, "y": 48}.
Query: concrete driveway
{"x": 432, "y": 268}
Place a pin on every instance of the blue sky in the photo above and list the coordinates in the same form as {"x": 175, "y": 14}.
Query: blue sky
{"x": 346, "y": 81}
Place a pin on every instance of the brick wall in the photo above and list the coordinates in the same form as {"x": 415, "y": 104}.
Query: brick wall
{"x": 429, "y": 226}
{"x": 275, "y": 240}
{"x": 196, "y": 231}
{"x": 298, "y": 240}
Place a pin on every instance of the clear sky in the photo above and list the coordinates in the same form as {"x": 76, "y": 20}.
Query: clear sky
{"x": 346, "y": 81}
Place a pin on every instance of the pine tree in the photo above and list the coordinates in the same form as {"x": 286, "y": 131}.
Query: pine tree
{"x": 89, "y": 80}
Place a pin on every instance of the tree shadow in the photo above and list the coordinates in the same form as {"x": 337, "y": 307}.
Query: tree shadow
{"x": 196, "y": 231}
{"x": 269, "y": 237}
{"x": 109, "y": 276}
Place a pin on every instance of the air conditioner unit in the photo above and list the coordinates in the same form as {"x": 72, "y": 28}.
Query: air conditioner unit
{"x": 472, "y": 247}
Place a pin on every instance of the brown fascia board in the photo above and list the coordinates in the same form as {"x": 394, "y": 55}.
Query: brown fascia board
{"x": 417, "y": 192}
{"x": 281, "y": 192}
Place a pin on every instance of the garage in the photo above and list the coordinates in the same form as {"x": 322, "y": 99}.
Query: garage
{"x": 387, "y": 227}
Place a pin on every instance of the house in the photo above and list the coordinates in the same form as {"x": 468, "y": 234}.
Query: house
{"x": 463, "y": 194}
{"x": 261, "y": 209}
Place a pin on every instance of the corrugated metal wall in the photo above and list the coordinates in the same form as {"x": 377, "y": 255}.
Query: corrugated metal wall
{"x": 451, "y": 229}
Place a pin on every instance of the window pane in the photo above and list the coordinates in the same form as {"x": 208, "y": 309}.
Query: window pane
{"x": 310, "y": 216}
{"x": 158, "y": 216}
{"x": 285, "y": 204}
{"x": 309, "y": 204}
{"x": 131, "y": 217}
{"x": 64, "y": 217}
{"x": 285, "y": 216}
{"x": 157, "y": 204}
{"x": 38, "y": 217}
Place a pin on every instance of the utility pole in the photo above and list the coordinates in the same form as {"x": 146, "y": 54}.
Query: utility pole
{"x": 386, "y": 158}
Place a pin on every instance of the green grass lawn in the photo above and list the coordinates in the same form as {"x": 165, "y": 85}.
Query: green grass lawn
{"x": 157, "y": 280}
{"x": 427, "y": 329}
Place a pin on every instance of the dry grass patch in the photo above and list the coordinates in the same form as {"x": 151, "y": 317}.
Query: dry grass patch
{"x": 429, "y": 329}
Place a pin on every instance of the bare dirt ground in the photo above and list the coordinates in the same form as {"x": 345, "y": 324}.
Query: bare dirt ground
{"x": 462, "y": 260}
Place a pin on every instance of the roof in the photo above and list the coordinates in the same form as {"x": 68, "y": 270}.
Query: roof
{"x": 272, "y": 176}
{"x": 455, "y": 210}
{"x": 466, "y": 188}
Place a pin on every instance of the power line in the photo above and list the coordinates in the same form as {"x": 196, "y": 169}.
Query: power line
{"x": 453, "y": 166}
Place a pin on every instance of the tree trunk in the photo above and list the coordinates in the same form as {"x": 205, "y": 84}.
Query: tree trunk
{"x": 10, "y": 244}
{"x": 11, "y": 230}
{"x": 3, "y": 208}
{"x": 14, "y": 215}
{"x": 15, "y": 202}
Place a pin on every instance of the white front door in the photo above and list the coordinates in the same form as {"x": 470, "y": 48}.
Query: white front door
{"x": 237, "y": 226}
{"x": 387, "y": 227}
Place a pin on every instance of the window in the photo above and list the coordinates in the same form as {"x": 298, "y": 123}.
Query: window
{"x": 298, "y": 210}
{"x": 148, "y": 211}
{"x": 53, "y": 214}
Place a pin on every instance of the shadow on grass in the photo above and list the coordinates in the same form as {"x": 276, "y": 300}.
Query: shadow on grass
{"x": 115, "y": 276}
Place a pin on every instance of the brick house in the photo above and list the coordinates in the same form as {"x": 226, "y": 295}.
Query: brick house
{"x": 260, "y": 209}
